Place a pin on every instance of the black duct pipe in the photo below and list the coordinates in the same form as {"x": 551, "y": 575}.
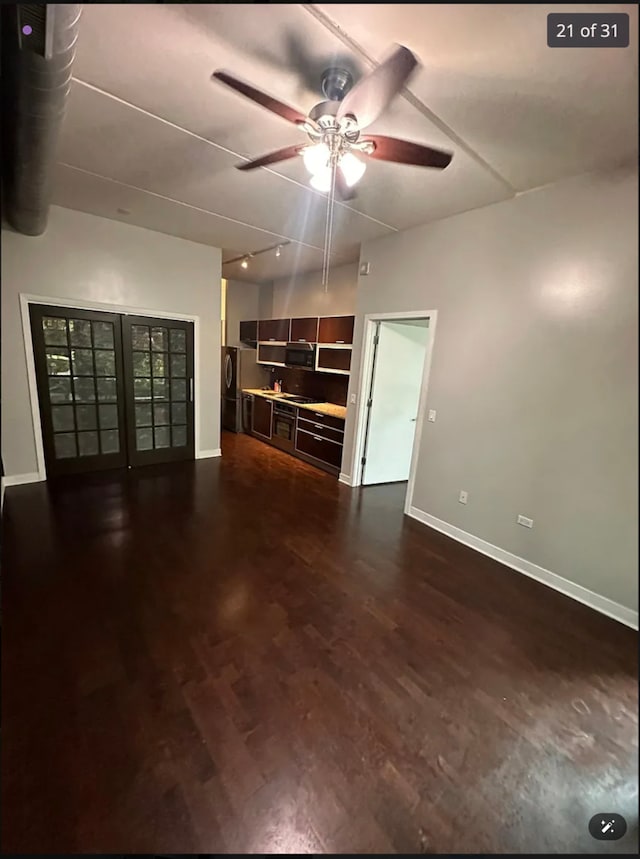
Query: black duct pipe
{"x": 39, "y": 45}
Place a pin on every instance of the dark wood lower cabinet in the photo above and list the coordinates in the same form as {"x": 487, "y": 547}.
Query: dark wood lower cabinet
{"x": 262, "y": 417}
{"x": 322, "y": 449}
{"x": 318, "y": 438}
{"x": 321, "y": 429}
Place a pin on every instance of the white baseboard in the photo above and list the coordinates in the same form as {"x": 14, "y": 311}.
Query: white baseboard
{"x": 604, "y": 605}
{"x": 345, "y": 478}
{"x": 208, "y": 454}
{"x": 19, "y": 479}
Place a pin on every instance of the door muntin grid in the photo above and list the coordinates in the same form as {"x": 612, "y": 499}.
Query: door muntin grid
{"x": 161, "y": 387}
{"x": 81, "y": 385}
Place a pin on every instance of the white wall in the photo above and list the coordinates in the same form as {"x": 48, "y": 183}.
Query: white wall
{"x": 243, "y": 302}
{"x": 86, "y": 258}
{"x": 534, "y": 373}
{"x": 304, "y": 295}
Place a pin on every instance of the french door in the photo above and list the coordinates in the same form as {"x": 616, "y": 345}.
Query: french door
{"x": 158, "y": 376}
{"x": 113, "y": 390}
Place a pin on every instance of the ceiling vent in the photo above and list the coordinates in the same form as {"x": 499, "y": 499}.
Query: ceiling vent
{"x": 32, "y": 29}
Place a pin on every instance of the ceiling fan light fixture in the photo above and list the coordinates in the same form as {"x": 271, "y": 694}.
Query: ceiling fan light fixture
{"x": 352, "y": 169}
{"x": 321, "y": 181}
{"x": 245, "y": 263}
{"x": 316, "y": 158}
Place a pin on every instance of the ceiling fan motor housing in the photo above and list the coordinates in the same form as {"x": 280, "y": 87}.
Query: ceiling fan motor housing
{"x": 336, "y": 83}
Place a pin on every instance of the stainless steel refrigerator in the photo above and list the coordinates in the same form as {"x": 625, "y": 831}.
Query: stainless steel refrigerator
{"x": 239, "y": 370}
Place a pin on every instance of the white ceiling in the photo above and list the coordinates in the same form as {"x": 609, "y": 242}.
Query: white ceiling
{"x": 148, "y": 132}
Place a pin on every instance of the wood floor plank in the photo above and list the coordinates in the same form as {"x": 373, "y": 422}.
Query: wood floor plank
{"x": 243, "y": 655}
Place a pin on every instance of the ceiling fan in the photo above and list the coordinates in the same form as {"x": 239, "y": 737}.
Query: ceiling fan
{"x": 334, "y": 126}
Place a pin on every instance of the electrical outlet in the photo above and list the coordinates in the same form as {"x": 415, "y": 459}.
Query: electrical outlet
{"x": 353, "y": 398}
{"x": 522, "y": 520}
{"x": 432, "y": 416}
{"x": 462, "y": 498}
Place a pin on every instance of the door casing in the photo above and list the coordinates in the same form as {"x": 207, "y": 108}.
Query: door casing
{"x": 366, "y": 359}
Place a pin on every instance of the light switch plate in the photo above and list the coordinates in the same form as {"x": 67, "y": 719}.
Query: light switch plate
{"x": 463, "y": 497}
{"x": 353, "y": 398}
{"x": 365, "y": 268}
{"x": 524, "y": 520}
{"x": 432, "y": 415}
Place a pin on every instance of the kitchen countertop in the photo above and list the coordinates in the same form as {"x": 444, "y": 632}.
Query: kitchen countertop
{"x": 330, "y": 409}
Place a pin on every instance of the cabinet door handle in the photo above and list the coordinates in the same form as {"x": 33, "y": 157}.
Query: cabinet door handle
{"x": 318, "y": 426}
{"x": 339, "y": 341}
{"x": 190, "y": 390}
{"x": 301, "y": 340}
{"x": 319, "y": 416}
{"x": 317, "y": 438}
{"x": 271, "y": 338}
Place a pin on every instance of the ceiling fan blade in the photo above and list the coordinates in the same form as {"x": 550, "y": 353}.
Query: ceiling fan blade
{"x": 343, "y": 191}
{"x": 273, "y": 157}
{"x": 262, "y": 98}
{"x": 373, "y": 93}
{"x": 406, "y": 152}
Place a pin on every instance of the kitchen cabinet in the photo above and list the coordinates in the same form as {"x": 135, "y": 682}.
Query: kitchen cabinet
{"x": 304, "y": 330}
{"x": 320, "y": 448}
{"x": 320, "y": 429}
{"x": 273, "y": 355}
{"x": 333, "y": 360}
{"x": 321, "y": 418}
{"x": 274, "y": 329}
{"x": 262, "y": 417}
{"x": 249, "y": 331}
{"x": 336, "y": 329}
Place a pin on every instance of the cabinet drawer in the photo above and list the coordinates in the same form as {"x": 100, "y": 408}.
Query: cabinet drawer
{"x": 320, "y": 429}
{"x": 318, "y": 418}
{"x": 319, "y": 448}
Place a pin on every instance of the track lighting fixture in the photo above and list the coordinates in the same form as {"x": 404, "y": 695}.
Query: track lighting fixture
{"x": 245, "y": 258}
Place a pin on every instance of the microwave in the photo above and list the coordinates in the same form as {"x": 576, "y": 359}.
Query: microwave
{"x": 300, "y": 355}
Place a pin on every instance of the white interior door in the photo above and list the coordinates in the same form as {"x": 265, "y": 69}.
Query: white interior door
{"x": 395, "y": 394}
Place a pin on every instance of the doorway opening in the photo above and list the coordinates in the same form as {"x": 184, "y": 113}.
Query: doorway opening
{"x": 396, "y": 358}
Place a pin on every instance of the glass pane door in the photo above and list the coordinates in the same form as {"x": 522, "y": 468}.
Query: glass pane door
{"x": 158, "y": 366}
{"x": 78, "y": 358}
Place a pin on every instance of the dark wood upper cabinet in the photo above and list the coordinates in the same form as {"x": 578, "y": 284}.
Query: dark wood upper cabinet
{"x": 274, "y": 329}
{"x": 334, "y": 360}
{"x": 304, "y": 330}
{"x": 336, "y": 329}
{"x": 261, "y": 416}
{"x": 268, "y": 354}
{"x": 249, "y": 331}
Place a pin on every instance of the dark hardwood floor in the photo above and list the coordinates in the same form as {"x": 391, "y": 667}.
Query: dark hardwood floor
{"x": 244, "y": 655}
